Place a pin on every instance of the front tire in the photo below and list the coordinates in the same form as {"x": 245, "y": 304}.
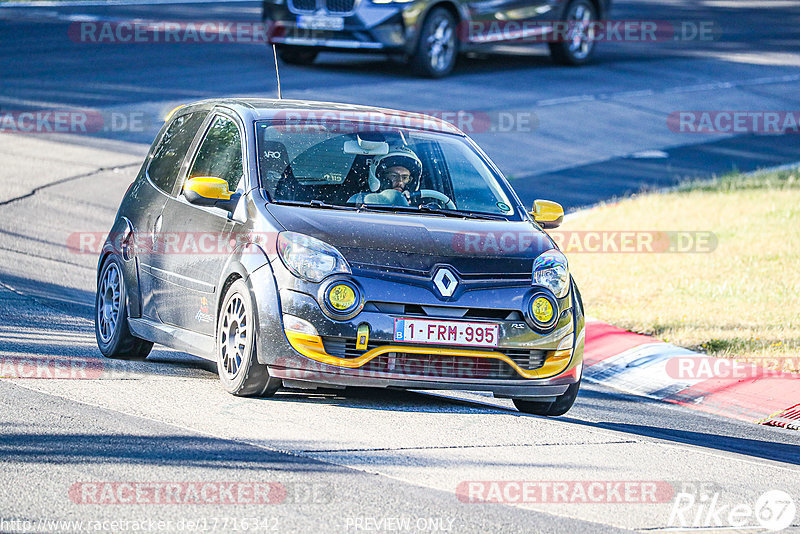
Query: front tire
{"x": 577, "y": 49}
{"x": 296, "y": 55}
{"x": 437, "y": 49}
{"x": 560, "y": 406}
{"x": 114, "y": 337}
{"x": 237, "y": 364}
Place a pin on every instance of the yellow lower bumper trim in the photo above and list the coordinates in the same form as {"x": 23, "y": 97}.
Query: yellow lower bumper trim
{"x": 311, "y": 347}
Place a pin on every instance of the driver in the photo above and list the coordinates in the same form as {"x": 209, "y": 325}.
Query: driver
{"x": 399, "y": 170}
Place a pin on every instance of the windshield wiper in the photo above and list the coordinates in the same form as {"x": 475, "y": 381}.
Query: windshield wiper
{"x": 462, "y": 214}
{"x": 314, "y": 204}
{"x": 386, "y": 207}
{"x": 424, "y": 209}
{"x": 427, "y": 210}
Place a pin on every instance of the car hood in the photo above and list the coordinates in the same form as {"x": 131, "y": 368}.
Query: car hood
{"x": 418, "y": 243}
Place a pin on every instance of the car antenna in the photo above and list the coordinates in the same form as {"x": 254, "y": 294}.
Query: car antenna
{"x": 277, "y": 74}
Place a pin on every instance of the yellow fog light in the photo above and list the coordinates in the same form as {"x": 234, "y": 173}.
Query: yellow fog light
{"x": 342, "y": 297}
{"x": 542, "y": 310}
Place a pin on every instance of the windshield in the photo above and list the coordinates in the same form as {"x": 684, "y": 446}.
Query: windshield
{"x": 352, "y": 164}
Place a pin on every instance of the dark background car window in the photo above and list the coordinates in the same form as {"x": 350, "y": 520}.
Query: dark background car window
{"x": 167, "y": 158}
{"x": 220, "y": 154}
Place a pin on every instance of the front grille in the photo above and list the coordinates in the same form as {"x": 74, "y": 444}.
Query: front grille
{"x": 510, "y": 277}
{"x": 445, "y": 312}
{"x": 304, "y": 5}
{"x": 528, "y": 359}
{"x": 436, "y": 366}
{"x": 340, "y": 6}
{"x": 343, "y": 347}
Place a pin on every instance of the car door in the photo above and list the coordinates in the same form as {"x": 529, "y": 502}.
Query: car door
{"x": 164, "y": 164}
{"x": 196, "y": 241}
{"x": 494, "y": 21}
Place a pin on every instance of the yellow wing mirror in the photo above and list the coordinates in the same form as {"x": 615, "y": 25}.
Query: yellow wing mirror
{"x": 210, "y": 191}
{"x": 547, "y": 214}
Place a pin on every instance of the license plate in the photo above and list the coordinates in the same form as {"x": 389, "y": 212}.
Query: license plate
{"x": 446, "y": 332}
{"x": 320, "y": 22}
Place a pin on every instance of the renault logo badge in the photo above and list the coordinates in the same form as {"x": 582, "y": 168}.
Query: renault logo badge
{"x": 445, "y": 281}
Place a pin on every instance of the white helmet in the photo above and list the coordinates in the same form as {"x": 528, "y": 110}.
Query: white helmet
{"x": 397, "y": 157}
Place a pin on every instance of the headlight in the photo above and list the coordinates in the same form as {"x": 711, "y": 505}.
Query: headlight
{"x": 550, "y": 270}
{"x": 309, "y": 258}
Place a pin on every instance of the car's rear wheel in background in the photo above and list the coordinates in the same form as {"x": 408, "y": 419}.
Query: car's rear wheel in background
{"x": 560, "y": 406}
{"x": 114, "y": 337}
{"x": 297, "y": 55}
{"x": 578, "y": 46}
{"x": 237, "y": 364}
{"x": 437, "y": 49}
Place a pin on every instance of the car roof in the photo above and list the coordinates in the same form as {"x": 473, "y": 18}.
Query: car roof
{"x": 294, "y": 110}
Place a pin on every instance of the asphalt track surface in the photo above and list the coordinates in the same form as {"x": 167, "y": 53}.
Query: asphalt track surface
{"x": 356, "y": 461}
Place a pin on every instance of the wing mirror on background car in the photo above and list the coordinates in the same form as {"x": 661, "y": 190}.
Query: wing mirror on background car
{"x": 210, "y": 191}
{"x": 547, "y": 214}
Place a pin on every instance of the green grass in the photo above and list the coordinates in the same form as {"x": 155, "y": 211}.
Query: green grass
{"x": 742, "y": 300}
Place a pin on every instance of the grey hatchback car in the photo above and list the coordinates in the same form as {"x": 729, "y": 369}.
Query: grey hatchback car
{"x": 303, "y": 244}
{"x": 431, "y": 33}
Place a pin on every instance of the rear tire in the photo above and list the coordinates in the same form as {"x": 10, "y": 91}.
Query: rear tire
{"x": 114, "y": 337}
{"x": 578, "y": 50}
{"x": 437, "y": 49}
{"x": 296, "y": 55}
{"x": 237, "y": 364}
{"x": 560, "y": 406}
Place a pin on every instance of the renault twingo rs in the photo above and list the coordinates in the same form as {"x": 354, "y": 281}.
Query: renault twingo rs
{"x": 306, "y": 244}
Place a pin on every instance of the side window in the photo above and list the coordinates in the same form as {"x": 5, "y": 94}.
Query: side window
{"x": 168, "y": 156}
{"x": 220, "y": 154}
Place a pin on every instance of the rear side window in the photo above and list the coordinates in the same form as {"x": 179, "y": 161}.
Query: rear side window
{"x": 220, "y": 154}
{"x": 167, "y": 158}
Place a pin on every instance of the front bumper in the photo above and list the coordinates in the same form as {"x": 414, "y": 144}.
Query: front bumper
{"x": 526, "y": 363}
{"x": 371, "y": 27}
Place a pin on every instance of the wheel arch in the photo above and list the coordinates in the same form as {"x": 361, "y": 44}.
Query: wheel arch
{"x": 457, "y": 10}
{"x": 251, "y": 264}
{"x": 600, "y": 6}
{"x": 247, "y": 258}
{"x": 122, "y": 231}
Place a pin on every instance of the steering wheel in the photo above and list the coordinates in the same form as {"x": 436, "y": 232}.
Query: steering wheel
{"x": 417, "y": 198}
